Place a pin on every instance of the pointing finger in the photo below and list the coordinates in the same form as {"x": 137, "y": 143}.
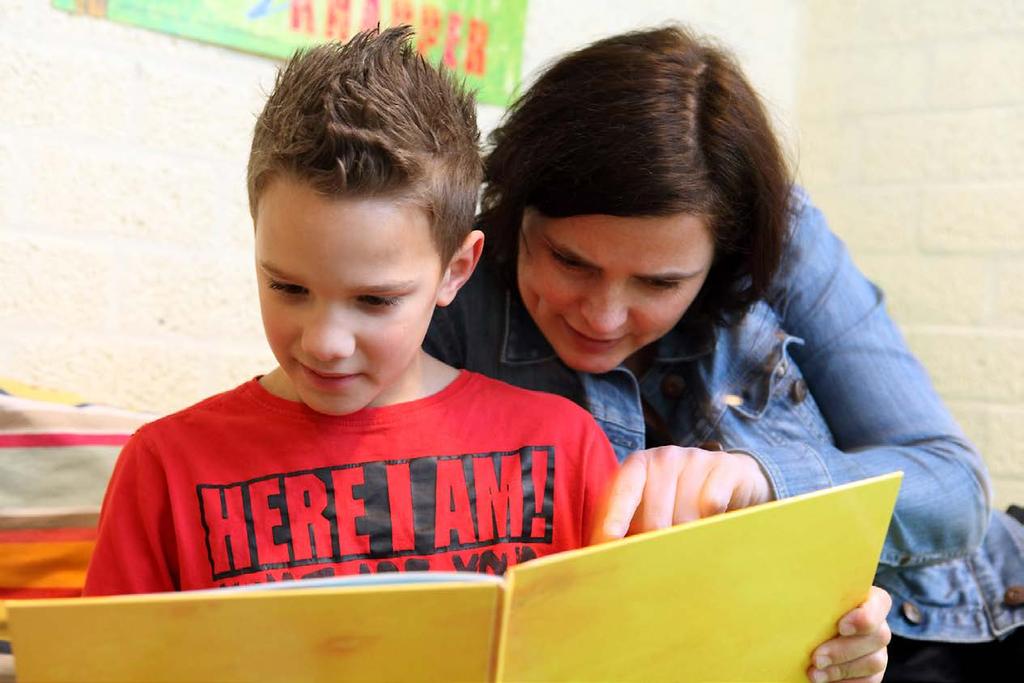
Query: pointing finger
{"x": 624, "y": 496}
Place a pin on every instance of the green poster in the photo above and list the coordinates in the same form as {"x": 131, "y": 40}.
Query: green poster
{"x": 480, "y": 39}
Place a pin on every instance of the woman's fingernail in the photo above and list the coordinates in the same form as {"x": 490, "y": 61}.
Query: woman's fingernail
{"x": 846, "y": 629}
{"x": 819, "y": 676}
{"x": 822, "y": 662}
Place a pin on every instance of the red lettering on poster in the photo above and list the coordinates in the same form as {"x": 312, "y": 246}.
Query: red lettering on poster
{"x": 302, "y": 15}
{"x": 371, "y": 14}
{"x": 476, "y": 48}
{"x": 430, "y": 28}
{"x": 338, "y": 18}
{"x": 401, "y": 12}
{"x": 452, "y": 38}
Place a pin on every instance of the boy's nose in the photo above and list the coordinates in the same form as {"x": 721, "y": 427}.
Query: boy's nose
{"x": 328, "y": 341}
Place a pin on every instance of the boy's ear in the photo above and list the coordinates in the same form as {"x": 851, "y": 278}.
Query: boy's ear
{"x": 461, "y": 266}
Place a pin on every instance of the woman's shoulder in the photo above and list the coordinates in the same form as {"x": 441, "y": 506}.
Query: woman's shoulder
{"x": 812, "y": 255}
{"x": 809, "y": 233}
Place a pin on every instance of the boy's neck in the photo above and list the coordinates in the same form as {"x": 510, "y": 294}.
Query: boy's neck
{"x": 436, "y": 374}
{"x": 429, "y": 376}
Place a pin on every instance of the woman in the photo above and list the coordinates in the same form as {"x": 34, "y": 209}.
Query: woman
{"x": 648, "y": 257}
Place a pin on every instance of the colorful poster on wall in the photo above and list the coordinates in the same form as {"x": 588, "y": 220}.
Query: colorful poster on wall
{"x": 480, "y": 39}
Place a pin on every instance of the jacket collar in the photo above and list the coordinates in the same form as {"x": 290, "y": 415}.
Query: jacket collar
{"x": 523, "y": 343}
{"x": 685, "y": 342}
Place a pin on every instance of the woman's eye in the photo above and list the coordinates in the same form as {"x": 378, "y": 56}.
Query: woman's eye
{"x": 381, "y": 301}
{"x": 662, "y": 284}
{"x": 285, "y": 288}
{"x": 567, "y": 261}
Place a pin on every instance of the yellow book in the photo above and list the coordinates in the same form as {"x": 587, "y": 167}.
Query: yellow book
{"x": 744, "y": 596}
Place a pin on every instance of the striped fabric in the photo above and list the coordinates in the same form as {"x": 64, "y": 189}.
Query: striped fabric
{"x": 56, "y": 454}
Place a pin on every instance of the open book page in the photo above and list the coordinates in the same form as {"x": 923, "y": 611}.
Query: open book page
{"x": 403, "y": 632}
{"x": 744, "y": 596}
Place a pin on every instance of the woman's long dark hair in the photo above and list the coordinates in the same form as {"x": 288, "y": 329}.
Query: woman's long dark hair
{"x": 649, "y": 123}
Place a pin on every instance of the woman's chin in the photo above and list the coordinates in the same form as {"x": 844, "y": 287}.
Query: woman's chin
{"x": 594, "y": 364}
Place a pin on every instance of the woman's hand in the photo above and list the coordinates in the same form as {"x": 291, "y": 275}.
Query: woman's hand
{"x": 859, "y": 652}
{"x": 659, "y": 487}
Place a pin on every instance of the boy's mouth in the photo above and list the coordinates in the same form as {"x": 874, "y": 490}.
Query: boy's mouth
{"x": 328, "y": 380}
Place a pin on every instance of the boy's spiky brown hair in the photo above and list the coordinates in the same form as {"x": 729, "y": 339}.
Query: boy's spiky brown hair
{"x": 371, "y": 118}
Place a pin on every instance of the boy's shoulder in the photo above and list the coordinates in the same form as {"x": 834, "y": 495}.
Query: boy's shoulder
{"x": 498, "y": 396}
{"x": 213, "y": 407}
{"x": 506, "y": 417}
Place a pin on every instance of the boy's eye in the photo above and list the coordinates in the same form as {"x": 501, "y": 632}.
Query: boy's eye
{"x": 373, "y": 300}
{"x": 286, "y": 288}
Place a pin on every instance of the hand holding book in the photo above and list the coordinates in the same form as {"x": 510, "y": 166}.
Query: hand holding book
{"x": 659, "y": 487}
{"x": 860, "y": 649}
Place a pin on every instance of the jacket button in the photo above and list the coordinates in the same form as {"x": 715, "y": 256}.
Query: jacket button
{"x": 673, "y": 386}
{"x": 911, "y": 612}
{"x": 710, "y": 446}
{"x": 798, "y": 392}
{"x": 1014, "y": 596}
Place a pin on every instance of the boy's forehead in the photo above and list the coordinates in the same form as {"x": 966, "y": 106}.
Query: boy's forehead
{"x": 285, "y": 191}
{"x": 296, "y": 223}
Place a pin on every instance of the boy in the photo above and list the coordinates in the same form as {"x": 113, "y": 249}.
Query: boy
{"x": 359, "y": 452}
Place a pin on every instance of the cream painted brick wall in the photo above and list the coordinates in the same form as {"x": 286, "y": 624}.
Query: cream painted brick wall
{"x": 933, "y": 289}
{"x": 911, "y": 119}
{"x": 973, "y": 217}
{"x": 976, "y": 364}
{"x": 125, "y": 240}
{"x": 761, "y": 33}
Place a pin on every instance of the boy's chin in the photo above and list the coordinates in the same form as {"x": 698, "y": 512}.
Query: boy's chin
{"x": 336, "y": 405}
{"x": 334, "y": 408}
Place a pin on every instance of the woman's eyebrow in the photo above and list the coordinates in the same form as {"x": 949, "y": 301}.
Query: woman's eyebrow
{"x": 672, "y": 275}
{"x": 667, "y": 275}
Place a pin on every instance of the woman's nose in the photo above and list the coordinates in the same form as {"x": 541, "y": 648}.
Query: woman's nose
{"x": 605, "y": 313}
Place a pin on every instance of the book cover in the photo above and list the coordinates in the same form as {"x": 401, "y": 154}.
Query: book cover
{"x": 743, "y": 596}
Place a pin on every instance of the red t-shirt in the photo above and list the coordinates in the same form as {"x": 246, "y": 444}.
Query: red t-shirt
{"x": 246, "y": 487}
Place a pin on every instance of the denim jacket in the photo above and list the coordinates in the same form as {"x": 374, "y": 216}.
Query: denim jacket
{"x": 817, "y": 384}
